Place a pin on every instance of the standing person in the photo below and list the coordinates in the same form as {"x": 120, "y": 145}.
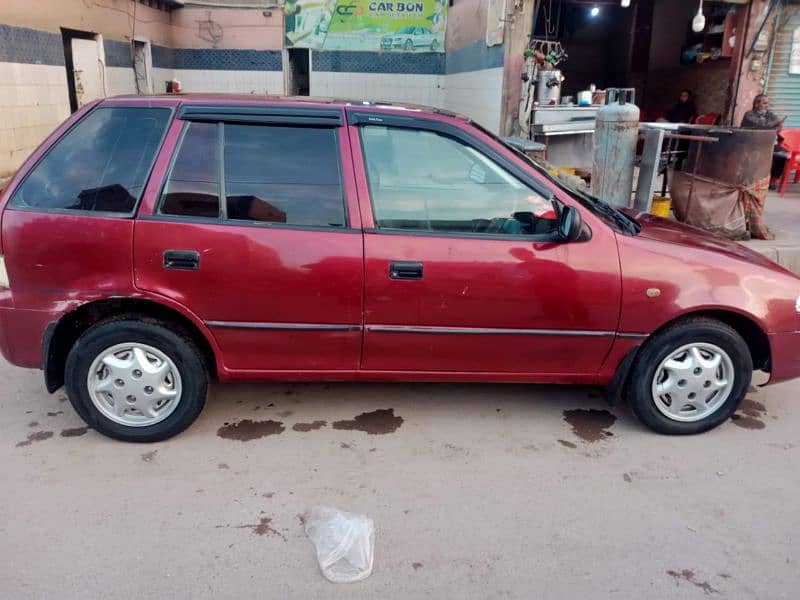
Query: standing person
{"x": 684, "y": 110}
{"x": 761, "y": 117}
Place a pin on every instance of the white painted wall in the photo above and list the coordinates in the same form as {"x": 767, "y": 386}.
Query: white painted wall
{"x": 240, "y": 82}
{"x": 476, "y": 94}
{"x": 33, "y": 102}
{"x": 160, "y": 77}
{"x": 120, "y": 80}
{"x": 417, "y": 89}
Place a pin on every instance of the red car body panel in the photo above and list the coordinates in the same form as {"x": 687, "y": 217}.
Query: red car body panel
{"x": 510, "y": 310}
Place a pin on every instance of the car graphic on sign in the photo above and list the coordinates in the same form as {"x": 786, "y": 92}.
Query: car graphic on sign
{"x": 410, "y": 37}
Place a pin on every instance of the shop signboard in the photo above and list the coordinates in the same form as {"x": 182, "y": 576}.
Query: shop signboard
{"x": 408, "y": 26}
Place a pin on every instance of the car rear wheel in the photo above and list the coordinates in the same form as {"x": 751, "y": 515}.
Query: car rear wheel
{"x": 690, "y": 377}
{"x": 136, "y": 381}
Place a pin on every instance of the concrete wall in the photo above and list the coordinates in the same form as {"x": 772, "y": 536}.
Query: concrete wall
{"x": 112, "y": 18}
{"x": 33, "y": 92}
{"x": 473, "y": 72}
{"x": 751, "y": 82}
{"x": 708, "y": 81}
{"x": 221, "y": 50}
{"x": 473, "y": 83}
{"x": 467, "y": 79}
{"x": 671, "y": 19}
{"x": 387, "y": 76}
{"x": 466, "y": 23}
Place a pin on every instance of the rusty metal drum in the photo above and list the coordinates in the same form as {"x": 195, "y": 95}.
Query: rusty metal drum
{"x": 740, "y": 157}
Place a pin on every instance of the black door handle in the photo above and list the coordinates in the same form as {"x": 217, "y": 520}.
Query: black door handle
{"x": 405, "y": 270}
{"x": 182, "y": 260}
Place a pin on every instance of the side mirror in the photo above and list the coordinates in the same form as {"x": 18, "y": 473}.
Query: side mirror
{"x": 570, "y": 225}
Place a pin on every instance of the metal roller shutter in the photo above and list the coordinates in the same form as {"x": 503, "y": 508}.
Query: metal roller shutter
{"x": 784, "y": 87}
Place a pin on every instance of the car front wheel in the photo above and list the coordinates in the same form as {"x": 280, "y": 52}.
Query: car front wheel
{"x": 690, "y": 377}
{"x": 136, "y": 381}
{"x": 409, "y": 46}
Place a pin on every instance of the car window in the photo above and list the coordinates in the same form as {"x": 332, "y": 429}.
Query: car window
{"x": 287, "y": 175}
{"x": 101, "y": 164}
{"x": 422, "y": 180}
{"x": 192, "y": 188}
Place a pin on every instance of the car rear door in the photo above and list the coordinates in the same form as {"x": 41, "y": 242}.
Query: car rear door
{"x": 255, "y": 230}
{"x": 462, "y": 271}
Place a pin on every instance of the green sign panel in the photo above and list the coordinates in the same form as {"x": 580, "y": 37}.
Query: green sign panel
{"x": 413, "y": 26}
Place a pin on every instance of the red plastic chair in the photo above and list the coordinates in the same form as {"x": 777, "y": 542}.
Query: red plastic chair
{"x": 791, "y": 143}
{"x": 707, "y": 119}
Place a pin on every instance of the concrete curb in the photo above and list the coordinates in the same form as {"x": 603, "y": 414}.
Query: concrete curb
{"x": 786, "y": 256}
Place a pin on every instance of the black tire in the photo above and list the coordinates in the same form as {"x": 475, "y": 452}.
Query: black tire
{"x": 660, "y": 346}
{"x": 172, "y": 342}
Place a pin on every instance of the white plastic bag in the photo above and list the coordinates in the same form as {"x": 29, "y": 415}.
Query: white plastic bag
{"x": 345, "y": 543}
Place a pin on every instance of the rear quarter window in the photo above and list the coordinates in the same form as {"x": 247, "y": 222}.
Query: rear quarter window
{"x": 100, "y": 165}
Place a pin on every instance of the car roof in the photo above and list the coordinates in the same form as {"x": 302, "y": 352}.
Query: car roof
{"x": 266, "y": 99}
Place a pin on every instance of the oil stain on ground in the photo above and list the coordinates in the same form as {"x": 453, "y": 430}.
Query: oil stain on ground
{"x": 749, "y": 415}
{"x": 247, "y": 429}
{"x": 375, "y": 423}
{"x": 149, "y": 456}
{"x": 305, "y": 427}
{"x": 590, "y": 425}
{"x": 36, "y": 436}
{"x": 263, "y": 527}
{"x": 74, "y": 431}
{"x": 688, "y": 575}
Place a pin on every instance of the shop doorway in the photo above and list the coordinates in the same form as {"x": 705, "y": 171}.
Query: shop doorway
{"x": 142, "y": 66}
{"x": 83, "y": 59}
{"x": 297, "y": 68}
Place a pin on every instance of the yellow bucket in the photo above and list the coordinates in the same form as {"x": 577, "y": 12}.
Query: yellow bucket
{"x": 661, "y": 206}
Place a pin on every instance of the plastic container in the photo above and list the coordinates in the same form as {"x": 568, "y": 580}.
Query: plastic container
{"x": 661, "y": 206}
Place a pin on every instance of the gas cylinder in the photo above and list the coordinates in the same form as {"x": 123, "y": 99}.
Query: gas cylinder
{"x": 615, "y": 136}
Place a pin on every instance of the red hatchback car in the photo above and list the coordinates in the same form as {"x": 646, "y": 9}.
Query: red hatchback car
{"x": 151, "y": 244}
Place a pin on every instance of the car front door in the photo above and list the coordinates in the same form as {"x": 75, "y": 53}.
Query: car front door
{"x": 252, "y": 232}
{"x": 463, "y": 269}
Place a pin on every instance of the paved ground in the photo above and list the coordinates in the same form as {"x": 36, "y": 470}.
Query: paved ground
{"x": 782, "y": 216}
{"x": 477, "y": 491}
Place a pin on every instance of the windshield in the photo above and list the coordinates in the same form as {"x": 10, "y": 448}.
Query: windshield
{"x": 612, "y": 216}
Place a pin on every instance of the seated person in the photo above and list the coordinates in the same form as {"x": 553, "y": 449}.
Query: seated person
{"x": 684, "y": 110}
{"x": 761, "y": 117}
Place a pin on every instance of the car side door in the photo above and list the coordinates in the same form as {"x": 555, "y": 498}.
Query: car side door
{"x": 464, "y": 271}
{"x": 252, "y": 231}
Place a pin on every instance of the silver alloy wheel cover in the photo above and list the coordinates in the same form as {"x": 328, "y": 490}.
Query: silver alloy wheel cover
{"x": 134, "y": 384}
{"x": 693, "y": 382}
